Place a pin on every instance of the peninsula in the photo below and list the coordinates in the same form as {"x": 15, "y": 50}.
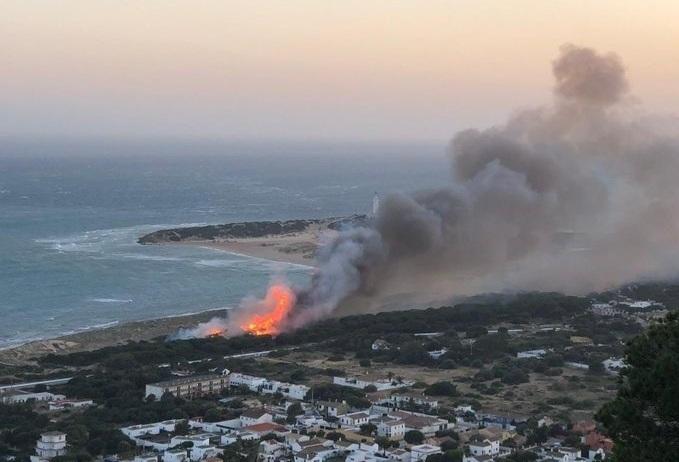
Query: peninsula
{"x": 291, "y": 241}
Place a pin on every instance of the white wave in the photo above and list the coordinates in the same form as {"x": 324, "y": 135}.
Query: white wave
{"x": 111, "y": 300}
{"x": 79, "y": 330}
{"x": 141, "y": 256}
{"x": 95, "y": 240}
{"x": 12, "y": 342}
{"x": 219, "y": 263}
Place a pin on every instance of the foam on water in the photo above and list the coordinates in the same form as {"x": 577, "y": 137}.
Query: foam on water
{"x": 110, "y": 300}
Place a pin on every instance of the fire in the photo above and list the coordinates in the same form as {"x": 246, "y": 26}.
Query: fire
{"x": 214, "y": 332}
{"x": 278, "y": 302}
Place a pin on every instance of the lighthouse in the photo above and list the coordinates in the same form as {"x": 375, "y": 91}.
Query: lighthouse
{"x": 376, "y": 204}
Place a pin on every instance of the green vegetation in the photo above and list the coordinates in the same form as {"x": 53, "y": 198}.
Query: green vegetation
{"x": 441, "y": 389}
{"x": 413, "y": 437}
{"x": 643, "y": 419}
{"x": 352, "y": 333}
{"x": 115, "y": 377}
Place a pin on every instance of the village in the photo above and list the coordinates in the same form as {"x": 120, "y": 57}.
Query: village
{"x": 396, "y": 399}
{"x": 396, "y": 425}
{"x": 302, "y": 429}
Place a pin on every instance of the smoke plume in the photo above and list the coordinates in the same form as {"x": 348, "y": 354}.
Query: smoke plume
{"x": 575, "y": 196}
{"x": 579, "y": 195}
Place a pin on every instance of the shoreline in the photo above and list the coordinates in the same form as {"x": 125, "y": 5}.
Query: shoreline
{"x": 294, "y": 249}
{"x": 111, "y": 335}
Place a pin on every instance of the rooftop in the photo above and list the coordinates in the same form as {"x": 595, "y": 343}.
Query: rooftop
{"x": 265, "y": 427}
{"x": 254, "y": 413}
{"x": 186, "y": 380}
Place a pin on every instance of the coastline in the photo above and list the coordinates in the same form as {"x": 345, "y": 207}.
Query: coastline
{"x": 293, "y": 248}
{"x": 94, "y": 339}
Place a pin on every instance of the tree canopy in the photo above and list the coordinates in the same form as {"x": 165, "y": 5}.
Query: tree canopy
{"x": 643, "y": 419}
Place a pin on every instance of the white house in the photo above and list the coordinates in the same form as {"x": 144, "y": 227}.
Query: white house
{"x": 391, "y": 428}
{"x": 436, "y": 354}
{"x": 175, "y": 455}
{"x": 136, "y": 431}
{"x": 398, "y": 455}
{"x": 228, "y": 439}
{"x": 251, "y": 382}
{"x": 50, "y": 444}
{"x": 316, "y": 454}
{"x": 203, "y": 452}
{"x": 426, "y": 424}
{"x": 272, "y": 451}
{"x": 354, "y": 419}
{"x": 223, "y": 426}
{"x": 418, "y": 399}
{"x": 255, "y": 416}
{"x": 613, "y": 365}
{"x": 422, "y": 451}
{"x": 312, "y": 450}
{"x": 537, "y": 354}
{"x": 487, "y": 447}
{"x": 363, "y": 452}
{"x": 311, "y": 422}
{"x": 16, "y": 397}
{"x": 197, "y": 440}
{"x": 289, "y": 390}
{"x": 380, "y": 384}
{"x": 464, "y": 408}
{"x": 146, "y": 458}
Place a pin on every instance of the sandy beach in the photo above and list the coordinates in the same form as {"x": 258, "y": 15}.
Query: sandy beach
{"x": 298, "y": 248}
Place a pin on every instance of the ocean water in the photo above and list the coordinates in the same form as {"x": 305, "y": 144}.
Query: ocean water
{"x": 71, "y": 211}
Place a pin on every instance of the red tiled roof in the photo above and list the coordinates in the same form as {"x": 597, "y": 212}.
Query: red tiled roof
{"x": 265, "y": 428}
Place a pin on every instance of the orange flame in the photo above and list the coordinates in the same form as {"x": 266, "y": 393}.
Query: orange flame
{"x": 279, "y": 301}
{"x": 214, "y": 332}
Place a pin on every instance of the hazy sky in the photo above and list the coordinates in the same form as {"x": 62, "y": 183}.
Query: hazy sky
{"x": 337, "y": 69}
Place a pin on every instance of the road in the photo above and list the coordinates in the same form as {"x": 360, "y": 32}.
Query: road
{"x": 15, "y": 386}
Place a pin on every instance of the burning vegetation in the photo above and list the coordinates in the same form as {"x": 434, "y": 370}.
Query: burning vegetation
{"x": 266, "y": 316}
{"x": 279, "y": 301}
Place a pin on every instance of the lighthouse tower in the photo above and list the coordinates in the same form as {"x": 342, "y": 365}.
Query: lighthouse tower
{"x": 376, "y": 204}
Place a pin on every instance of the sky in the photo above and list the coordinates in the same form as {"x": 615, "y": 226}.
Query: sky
{"x": 310, "y": 69}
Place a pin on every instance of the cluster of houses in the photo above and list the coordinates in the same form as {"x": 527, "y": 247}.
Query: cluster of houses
{"x": 317, "y": 431}
{"x": 398, "y": 425}
{"x": 642, "y": 311}
{"x": 326, "y": 430}
{"x": 53, "y": 401}
{"x": 191, "y": 387}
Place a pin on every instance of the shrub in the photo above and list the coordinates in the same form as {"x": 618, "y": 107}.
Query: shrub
{"x": 413, "y": 437}
{"x": 443, "y": 388}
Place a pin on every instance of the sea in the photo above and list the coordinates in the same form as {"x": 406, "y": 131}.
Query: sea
{"x": 71, "y": 211}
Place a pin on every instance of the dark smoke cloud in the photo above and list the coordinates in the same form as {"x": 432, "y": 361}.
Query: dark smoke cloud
{"x": 575, "y": 196}
{"x": 587, "y": 77}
